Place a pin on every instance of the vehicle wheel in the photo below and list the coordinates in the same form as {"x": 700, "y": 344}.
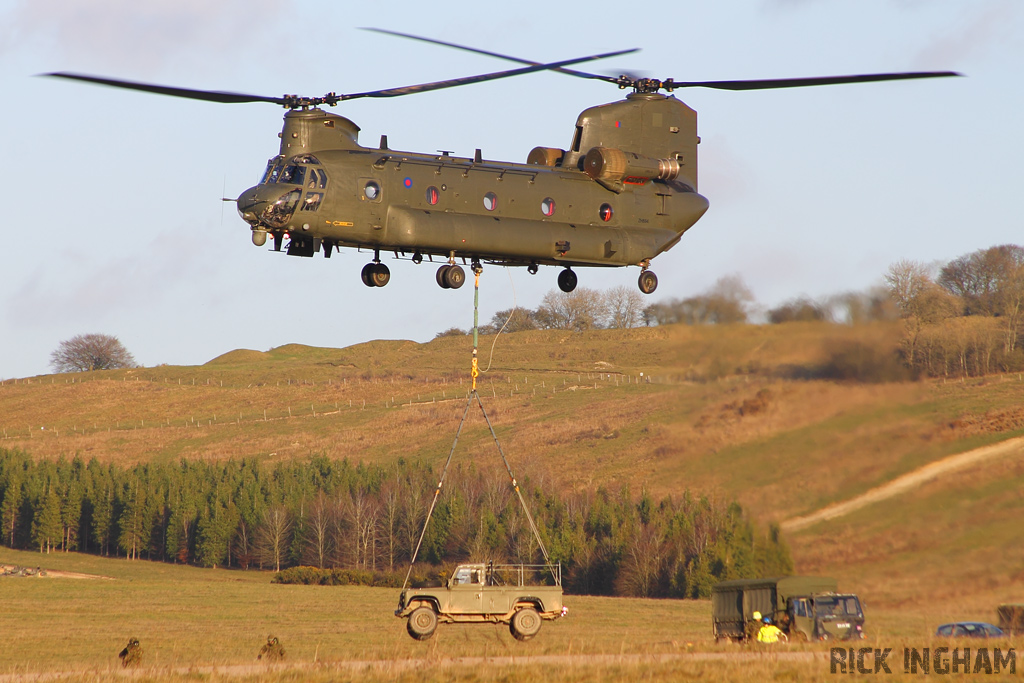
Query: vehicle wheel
{"x": 367, "y": 275}
{"x": 422, "y": 623}
{"x": 648, "y": 282}
{"x": 455, "y": 277}
{"x": 525, "y": 624}
{"x": 442, "y": 281}
{"x": 567, "y": 280}
{"x": 381, "y": 275}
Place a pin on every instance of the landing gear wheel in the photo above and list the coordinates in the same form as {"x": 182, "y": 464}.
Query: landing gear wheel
{"x": 442, "y": 280}
{"x": 417, "y": 257}
{"x": 648, "y": 282}
{"x": 367, "y": 275}
{"x": 525, "y": 624}
{"x": 567, "y": 280}
{"x": 455, "y": 277}
{"x": 532, "y": 268}
{"x": 422, "y": 623}
{"x": 380, "y": 275}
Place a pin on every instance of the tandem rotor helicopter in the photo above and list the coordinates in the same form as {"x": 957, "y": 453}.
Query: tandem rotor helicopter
{"x": 623, "y": 192}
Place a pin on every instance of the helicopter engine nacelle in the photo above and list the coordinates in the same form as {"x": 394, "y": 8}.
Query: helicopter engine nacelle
{"x": 608, "y": 165}
{"x": 546, "y": 156}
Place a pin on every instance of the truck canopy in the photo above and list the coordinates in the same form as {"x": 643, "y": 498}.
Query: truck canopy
{"x": 740, "y": 598}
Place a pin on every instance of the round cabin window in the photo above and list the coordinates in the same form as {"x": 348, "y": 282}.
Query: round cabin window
{"x": 605, "y": 212}
{"x": 547, "y": 207}
{"x": 490, "y": 201}
{"x": 433, "y": 195}
{"x": 372, "y": 190}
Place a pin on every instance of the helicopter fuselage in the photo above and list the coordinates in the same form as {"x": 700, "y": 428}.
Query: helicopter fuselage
{"x": 594, "y": 205}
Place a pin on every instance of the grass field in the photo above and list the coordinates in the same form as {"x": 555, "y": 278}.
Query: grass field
{"x": 189, "y": 618}
{"x": 725, "y": 411}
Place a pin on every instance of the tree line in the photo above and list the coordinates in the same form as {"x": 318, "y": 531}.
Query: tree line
{"x": 333, "y": 514}
{"x": 963, "y": 317}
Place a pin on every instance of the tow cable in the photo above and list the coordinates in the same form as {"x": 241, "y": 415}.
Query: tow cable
{"x": 473, "y": 394}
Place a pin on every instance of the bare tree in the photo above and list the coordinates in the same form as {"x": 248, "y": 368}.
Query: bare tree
{"x": 920, "y": 301}
{"x": 856, "y": 308}
{"x": 729, "y": 300}
{"x": 990, "y": 282}
{"x": 578, "y": 310}
{"x": 514, "y": 320}
{"x": 801, "y": 309}
{"x": 91, "y": 352}
{"x": 624, "y": 307}
{"x": 273, "y": 534}
{"x": 318, "y": 529}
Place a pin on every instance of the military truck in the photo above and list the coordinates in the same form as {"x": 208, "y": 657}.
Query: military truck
{"x": 519, "y": 595}
{"x": 804, "y": 607}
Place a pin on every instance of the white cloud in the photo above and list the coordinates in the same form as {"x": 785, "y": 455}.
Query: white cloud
{"x": 144, "y": 35}
{"x": 986, "y": 26}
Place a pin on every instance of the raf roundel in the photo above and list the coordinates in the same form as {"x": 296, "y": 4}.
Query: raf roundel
{"x": 407, "y": 182}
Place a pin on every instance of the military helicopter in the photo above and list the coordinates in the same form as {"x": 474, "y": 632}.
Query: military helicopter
{"x": 623, "y": 192}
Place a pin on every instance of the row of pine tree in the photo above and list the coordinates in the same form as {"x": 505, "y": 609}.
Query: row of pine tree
{"x": 323, "y": 513}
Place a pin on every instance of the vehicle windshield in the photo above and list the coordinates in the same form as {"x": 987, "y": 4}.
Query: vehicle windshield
{"x": 465, "y": 575}
{"x": 837, "y": 606}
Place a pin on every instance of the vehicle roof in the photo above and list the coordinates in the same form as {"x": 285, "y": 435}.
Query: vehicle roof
{"x": 969, "y": 623}
{"x": 788, "y": 585}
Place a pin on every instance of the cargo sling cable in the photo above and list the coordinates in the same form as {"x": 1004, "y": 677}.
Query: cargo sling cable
{"x": 473, "y": 394}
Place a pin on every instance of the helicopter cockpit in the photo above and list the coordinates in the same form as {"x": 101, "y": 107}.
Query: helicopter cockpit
{"x": 304, "y": 170}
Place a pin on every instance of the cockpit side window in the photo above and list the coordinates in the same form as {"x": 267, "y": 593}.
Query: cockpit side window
{"x": 317, "y": 179}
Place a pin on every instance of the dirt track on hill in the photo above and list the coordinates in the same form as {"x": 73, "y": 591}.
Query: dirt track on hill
{"x": 906, "y": 482}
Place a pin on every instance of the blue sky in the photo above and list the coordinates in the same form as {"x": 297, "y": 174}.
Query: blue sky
{"x": 114, "y": 222}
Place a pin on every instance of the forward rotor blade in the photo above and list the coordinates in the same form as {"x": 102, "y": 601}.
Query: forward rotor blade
{"x": 570, "y": 72}
{"x": 803, "y": 82}
{"x": 330, "y": 98}
{"x": 466, "y": 80}
{"x": 205, "y": 95}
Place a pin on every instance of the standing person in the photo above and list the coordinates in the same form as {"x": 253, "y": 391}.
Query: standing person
{"x": 770, "y": 633}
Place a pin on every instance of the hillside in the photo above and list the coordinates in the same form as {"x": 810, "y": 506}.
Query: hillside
{"x": 739, "y": 412}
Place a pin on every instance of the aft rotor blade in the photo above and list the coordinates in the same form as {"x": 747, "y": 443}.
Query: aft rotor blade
{"x": 466, "y": 80}
{"x": 775, "y": 83}
{"x": 570, "y": 72}
{"x": 205, "y": 95}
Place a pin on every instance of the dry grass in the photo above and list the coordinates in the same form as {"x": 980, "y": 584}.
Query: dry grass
{"x": 191, "y": 620}
{"x": 718, "y": 413}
